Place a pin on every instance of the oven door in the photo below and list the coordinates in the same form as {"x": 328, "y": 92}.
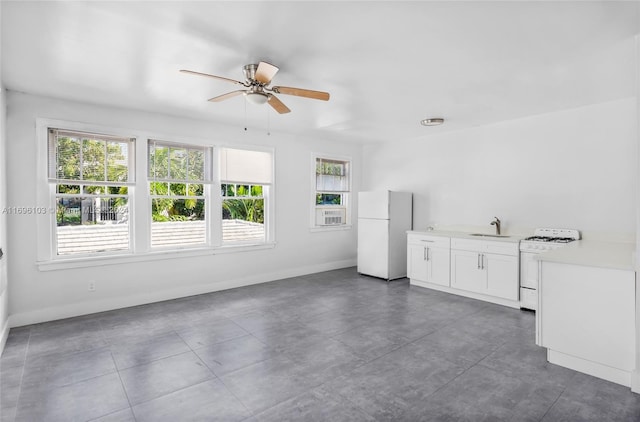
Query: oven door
{"x": 528, "y": 270}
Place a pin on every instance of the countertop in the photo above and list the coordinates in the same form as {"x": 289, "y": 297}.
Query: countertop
{"x": 592, "y": 253}
{"x": 466, "y": 235}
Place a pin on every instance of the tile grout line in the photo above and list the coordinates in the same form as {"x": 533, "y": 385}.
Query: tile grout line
{"x": 123, "y": 387}
{"x": 215, "y": 375}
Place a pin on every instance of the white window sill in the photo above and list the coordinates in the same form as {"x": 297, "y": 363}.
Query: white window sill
{"x": 95, "y": 261}
{"x": 330, "y": 228}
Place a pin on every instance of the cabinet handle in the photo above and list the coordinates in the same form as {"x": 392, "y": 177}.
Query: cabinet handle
{"x": 430, "y": 241}
{"x": 478, "y": 261}
{"x": 427, "y": 254}
{"x": 482, "y": 261}
{"x": 424, "y": 253}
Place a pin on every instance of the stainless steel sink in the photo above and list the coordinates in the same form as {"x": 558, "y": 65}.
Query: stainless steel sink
{"x": 487, "y": 235}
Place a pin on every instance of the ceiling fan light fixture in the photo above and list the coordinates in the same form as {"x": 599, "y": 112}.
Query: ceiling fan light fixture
{"x": 432, "y": 122}
{"x": 257, "y": 97}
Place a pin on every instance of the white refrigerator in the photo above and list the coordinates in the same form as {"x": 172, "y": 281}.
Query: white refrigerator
{"x": 383, "y": 220}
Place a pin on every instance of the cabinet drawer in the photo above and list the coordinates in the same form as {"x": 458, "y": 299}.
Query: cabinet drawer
{"x": 488, "y": 246}
{"x": 431, "y": 241}
{"x": 467, "y": 244}
{"x": 503, "y": 248}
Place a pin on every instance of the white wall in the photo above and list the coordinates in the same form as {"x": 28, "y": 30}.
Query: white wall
{"x": 4, "y": 296}
{"x": 573, "y": 169}
{"x": 42, "y": 295}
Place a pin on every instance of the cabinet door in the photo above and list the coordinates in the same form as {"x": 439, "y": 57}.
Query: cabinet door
{"x": 502, "y": 275}
{"x": 466, "y": 271}
{"x": 417, "y": 262}
{"x": 438, "y": 266}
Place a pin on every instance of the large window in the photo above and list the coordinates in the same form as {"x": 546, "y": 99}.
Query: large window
{"x": 106, "y": 196}
{"x": 89, "y": 176}
{"x": 332, "y": 183}
{"x": 178, "y": 179}
{"x": 246, "y": 177}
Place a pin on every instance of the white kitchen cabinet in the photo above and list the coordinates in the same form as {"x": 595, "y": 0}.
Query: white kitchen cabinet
{"x": 466, "y": 271}
{"x": 491, "y": 274}
{"x": 586, "y": 319}
{"x": 502, "y": 275}
{"x": 487, "y": 267}
{"x": 478, "y": 268}
{"x": 428, "y": 259}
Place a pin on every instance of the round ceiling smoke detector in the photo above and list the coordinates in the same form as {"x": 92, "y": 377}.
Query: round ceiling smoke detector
{"x": 432, "y": 122}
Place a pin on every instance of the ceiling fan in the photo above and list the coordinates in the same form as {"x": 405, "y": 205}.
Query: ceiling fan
{"x": 257, "y": 80}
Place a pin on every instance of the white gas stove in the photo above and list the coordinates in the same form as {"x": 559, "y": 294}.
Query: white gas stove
{"x": 542, "y": 240}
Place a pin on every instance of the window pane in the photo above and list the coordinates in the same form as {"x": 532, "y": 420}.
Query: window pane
{"x": 243, "y": 190}
{"x": 328, "y": 199}
{"x": 243, "y": 220}
{"x": 117, "y": 161}
{"x": 178, "y": 189}
{"x": 196, "y": 165}
{"x": 68, "y": 189}
{"x": 178, "y": 168}
{"x": 159, "y": 188}
{"x": 332, "y": 175}
{"x": 256, "y": 190}
{"x": 195, "y": 190}
{"x": 101, "y": 190}
{"x": 93, "y": 159}
{"x": 178, "y": 222}
{"x": 89, "y": 225}
{"x": 158, "y": 162}
{"x": 68, "y": 158}
{"x": 169, "y": 209}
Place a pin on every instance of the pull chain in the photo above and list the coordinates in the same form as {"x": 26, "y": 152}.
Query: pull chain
{"x": 268, "y": 123}
{"x": 245, "y": 115}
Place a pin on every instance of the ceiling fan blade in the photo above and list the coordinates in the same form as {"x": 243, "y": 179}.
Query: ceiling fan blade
{"x": 265, "y": 72}
{"x": 278, "y": 105}
{"x": 211, "y": 76}
{"x": 226, "y": 96}
{"x": 316, "y": 95}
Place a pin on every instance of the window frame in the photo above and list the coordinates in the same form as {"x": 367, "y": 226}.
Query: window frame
{"x": 139, "y": 202}
{"x": 206, "y": 182}
{"x": 51, "y": 234}
{"x": 268, "y": 194}
{"x": 346, "y": 195}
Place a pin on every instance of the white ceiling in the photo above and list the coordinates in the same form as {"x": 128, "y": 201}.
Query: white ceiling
{"x": 387, "y": 64}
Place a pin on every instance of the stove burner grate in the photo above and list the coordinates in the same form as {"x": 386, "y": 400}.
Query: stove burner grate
{"x": 550, "y": 239}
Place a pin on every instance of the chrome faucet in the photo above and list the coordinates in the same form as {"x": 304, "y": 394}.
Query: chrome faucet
{"x": 496, "y": 223}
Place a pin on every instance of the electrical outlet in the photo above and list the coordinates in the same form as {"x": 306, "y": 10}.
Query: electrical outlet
{"x": 92, "y": 286}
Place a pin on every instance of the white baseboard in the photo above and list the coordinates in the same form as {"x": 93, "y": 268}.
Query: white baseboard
{"x": 4, "y": 320}
{"x": 635, "y": 382}
{"x": 590, "y": 368}
{"x": 4, "y": 334}
{"x": 86, "y": 308}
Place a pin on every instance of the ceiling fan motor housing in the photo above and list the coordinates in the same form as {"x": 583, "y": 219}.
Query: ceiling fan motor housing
{"x": 250, "y": 72}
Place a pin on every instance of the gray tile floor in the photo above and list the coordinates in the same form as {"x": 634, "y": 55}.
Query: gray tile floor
{"x": 332, "y": 346}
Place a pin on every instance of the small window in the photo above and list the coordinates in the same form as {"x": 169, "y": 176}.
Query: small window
{"x": 178, "y": 179}
{"x": 90, "y": 175}
{"x": 332, "y": 183}
{"x": 246, "y": 180}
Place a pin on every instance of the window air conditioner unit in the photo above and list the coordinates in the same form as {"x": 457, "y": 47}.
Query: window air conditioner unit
{"x": 330, "y": 216}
